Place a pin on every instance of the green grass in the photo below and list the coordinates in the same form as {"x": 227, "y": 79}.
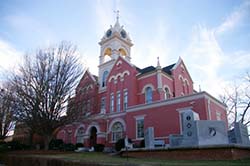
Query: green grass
{"x": 108, "y": 159}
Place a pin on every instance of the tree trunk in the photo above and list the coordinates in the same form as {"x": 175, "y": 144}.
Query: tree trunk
{"x": 30, "y": 139}
{"x": 47, "y": 140}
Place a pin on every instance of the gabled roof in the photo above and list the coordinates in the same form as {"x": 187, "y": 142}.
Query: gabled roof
{"x": 178, "y": 63}
{"x": 167, "y": 69}
{"x": 95, "y": 77}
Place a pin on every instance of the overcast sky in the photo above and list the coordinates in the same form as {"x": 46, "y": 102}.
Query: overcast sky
{"x": 211, "y": 36}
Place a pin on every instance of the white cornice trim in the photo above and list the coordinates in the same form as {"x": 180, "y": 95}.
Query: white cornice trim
{"x": 147, "y": 75}
{"x": 129, "y": 43}
{"x": 107, "y": 63}
{"x": 113, "y": 115}
{"x": 174, "y": 101}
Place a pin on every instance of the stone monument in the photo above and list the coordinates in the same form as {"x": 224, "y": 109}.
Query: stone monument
{"x": 239, "y": 134}
{"x": 197, "y": 132}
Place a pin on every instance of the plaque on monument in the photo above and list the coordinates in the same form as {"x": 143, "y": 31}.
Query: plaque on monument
{"x": 188, "y": 127}
{"x": 211, "y": 132}
{"x": 149, "y": 138}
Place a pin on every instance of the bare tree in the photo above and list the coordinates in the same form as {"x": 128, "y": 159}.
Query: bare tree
{"x": 7, "y": 107}
{"x": 237, "y": 98}
{"x": 42, "y": 87}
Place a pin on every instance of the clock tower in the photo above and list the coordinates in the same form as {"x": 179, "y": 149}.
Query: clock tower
{"x": 115, "y": 42}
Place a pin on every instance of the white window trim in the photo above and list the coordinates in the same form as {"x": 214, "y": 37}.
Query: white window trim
{"x": 140, "y": 117}
{"x": 218, "y": 115}
{"x": 103, "y": 110}
{"x": 125, "y": 90}
{"x": 146, "y": 86}
{"x": 169, "y": 90}
{"x": 145, "y": 95}
{"x": 112, "y": 103}
{"x": 82, "y": 125}
{"x": 118, "y": 101}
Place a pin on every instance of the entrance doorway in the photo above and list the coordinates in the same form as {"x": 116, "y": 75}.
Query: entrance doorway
{"x": 92, "y": 139}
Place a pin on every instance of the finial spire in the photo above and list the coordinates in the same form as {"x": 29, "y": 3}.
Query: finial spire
{"x": 158, "y": 61}
{"x": 117, "y": 12}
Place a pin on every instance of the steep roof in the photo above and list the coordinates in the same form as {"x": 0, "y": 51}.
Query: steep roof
{"x": 148, "y": 69}
{"x": 167, "y": 69}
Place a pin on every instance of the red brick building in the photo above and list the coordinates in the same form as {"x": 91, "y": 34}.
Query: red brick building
{"x": 125, "y": 100}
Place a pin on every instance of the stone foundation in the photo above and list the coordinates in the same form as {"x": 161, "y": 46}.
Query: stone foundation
{"x": 220, "y": 152}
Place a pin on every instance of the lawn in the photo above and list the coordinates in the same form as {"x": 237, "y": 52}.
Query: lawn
{"x": 107, "y": 159}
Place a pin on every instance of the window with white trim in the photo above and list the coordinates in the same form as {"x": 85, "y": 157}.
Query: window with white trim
{"x": 103, "y": 105}
{"x": 79, "y": 135}
{"x": 167, "y": 93}
{"x": 104, "y": 78}
{"x": 112, "y": 102}
{"x": 69, "y": 136}
{"x": 118, "y": 101}
{"x": 125, "y": 99}
{"x": 117, "y": 131}
{"x": 218, "y": 115}
{"x": 148, "y": 95}
{"x": 140, "y": 128}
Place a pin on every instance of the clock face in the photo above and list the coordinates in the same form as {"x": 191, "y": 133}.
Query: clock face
{"x": 123, "y": 34}
{"x": 109, "y": 33}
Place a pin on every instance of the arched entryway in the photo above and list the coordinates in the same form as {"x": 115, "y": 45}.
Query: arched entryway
{"x": 93, "y": 136}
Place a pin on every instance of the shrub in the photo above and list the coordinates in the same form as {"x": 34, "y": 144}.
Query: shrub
{"x": 3, "y": 147}
{"x": 99, "y": 147}
{"x": 78, "y": 145}
{"x": 142, "y": 144}
{"x": 69, "y": 147}
{"x": 56, "y": 144}
{"x": 15, "y": 145}
{"x": 121, "y": 144}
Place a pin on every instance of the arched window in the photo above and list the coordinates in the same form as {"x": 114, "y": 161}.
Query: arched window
{"x": 79, "y": 135}
{"x": 167, "y": 93}
{"x": 112, "y": 102}
{"x": 104, "y": 78}
{"x": 118, "y": 101}
{"x": 107, "y": 54}
{"x": 69, "y": 136}
{"x": 122, "y": 52}
{"x": 125, "y": 99}
{"x": 117, "y": 131}
{"x": 148, "y": 95}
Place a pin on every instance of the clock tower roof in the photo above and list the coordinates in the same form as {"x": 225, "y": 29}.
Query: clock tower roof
{"x": 116, "y": 31}
{"x": 115, "y": 42}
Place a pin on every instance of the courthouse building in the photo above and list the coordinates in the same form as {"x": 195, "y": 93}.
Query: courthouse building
{"x": 124, "y": 100}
